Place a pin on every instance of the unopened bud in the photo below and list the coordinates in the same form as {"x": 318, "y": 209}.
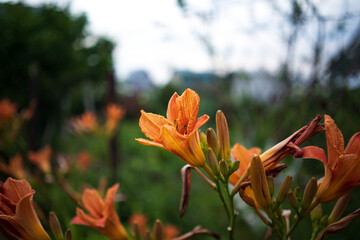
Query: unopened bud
{"x": 271, "y": 185}
{"x": 224, "y": 167}
{"x": 68, "y": 234}
{"x": 316, "y": 213}
{"x": 136, "y": 231}
{"x": 212, "y": 140}
{"x": 258, "y": 182}
{"x": 213, "y": 162}
{"x": 293, "y": 200}
{"x": 55, "y": 226}
{"x": 309, "y": 193}
{"x": 324, "y": 220}
{"x": 203, "y": 141}
{"x": 223, "y": 135}
{"x": 339, "y": 208}
{"x": 235, "y": 166}
{"x": 158, "y": 230}
{"x": 284, "y": 189}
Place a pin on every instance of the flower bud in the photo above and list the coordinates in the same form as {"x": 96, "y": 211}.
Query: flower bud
{"x": 235, "y": 166}
{"x": 203, "y": 141}
{"x": 68, "y": 234}
{"x": 224, "y": 168}
{"x": 271, "y": 185}
{"x": 212, "y": 141}
{"x": 213, "y": 162}
{"x": 309, "y": 193}
{"x": 223, "y": 135}
{"x": 258, "y": 183}
{"x": 55, "y": 226}
{"x": 284, "y": 189}
{"x": 202, "y": 137}
{"x": 339, "y": 208}
{"x": 136, "y": 231}
{"x": 158, "y": 230}
{"x": 324, "y": 220}
{"x": 316, "y": 213}
{"x": 293, "y": 200}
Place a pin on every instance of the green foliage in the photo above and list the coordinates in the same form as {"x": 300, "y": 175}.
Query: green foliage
{"x": 47, "y": 55}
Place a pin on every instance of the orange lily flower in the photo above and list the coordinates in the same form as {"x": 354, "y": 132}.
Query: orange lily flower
{"x": 274, "y": 155}
{"x": 7, "y": 110}
{"x": 114, "y": 113}
{"x": 41, "y": 158}
{"x": 140, "y": 220}
{"x": 15, "y": 167}
{"x": 342, "y": 166}
{"x": 102, "y": 215}
{"x": 178, "y": 132}
{"x": 85, "y": 123}
{"x": 170, "y": 232}
{"x": 83, "y": 160}
{"x": 17, "y": 214}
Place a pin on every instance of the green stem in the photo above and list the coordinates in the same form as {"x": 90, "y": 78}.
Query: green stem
{"x": 209, "y": 172}
{"x": 294, "y": 226}
{"x": 218, "y": 189}
{"x": 232, "y": 214}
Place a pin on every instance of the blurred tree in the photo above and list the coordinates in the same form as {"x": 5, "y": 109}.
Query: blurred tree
{"x": 47, "y": 55}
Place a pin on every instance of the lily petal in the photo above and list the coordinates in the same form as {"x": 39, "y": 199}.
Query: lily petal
{"x": 243, "y": 155}
{"x": 150, "y": 124}
{"x": 354, "y": 145}
{"x": 173, "y": 108}
{"x": 149, "y": 143}
{"x": 177, "y": 144}
{"x": 189, "y": 103}
{"x": 28, "y": 219}
{"x": 93, "y": 203}
{"x": 16, "y": 189}
{"x": 201, "y": 121}
{"x": 334, "y": 140}
{"x": 110, "y": 195}
{"x": 314, "y": 153}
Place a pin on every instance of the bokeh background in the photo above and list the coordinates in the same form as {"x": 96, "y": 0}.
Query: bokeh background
{"x": 270, "y": 66}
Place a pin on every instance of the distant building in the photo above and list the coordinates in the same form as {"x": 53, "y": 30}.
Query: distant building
{"x": 138, "y": 82}
{"x": 260, "y": 85}
{"x": 197, "y": 81}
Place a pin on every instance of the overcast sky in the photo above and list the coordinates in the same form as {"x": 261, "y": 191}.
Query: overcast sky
{"x": 157, "y": 36}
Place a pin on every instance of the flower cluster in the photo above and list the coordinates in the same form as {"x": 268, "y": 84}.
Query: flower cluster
{"x": 252, "y": 172}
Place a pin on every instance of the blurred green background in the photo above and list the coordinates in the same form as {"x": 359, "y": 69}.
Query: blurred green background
{"x": 44, "y": 56}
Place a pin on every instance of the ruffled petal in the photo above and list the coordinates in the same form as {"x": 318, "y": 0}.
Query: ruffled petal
{"x": 150, "y": 124}
{"x": 189, "y": 103}
{"x": 334, "y": 140}
{"x": 15, "y": 190}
